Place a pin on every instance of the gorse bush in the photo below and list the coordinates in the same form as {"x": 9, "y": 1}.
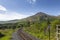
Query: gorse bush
{"x": 41, "y": 31}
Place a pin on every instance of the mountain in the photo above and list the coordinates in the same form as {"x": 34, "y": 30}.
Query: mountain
{"x": 11, "y": 21}
{"x": 36, "y": 17}
{"x": 36, "y": 25}
{"x": 58, "y": 16}
{"x": 39, "y": 25}
{"x": 39, "y": 16}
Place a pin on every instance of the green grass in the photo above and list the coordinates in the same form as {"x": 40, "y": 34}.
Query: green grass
{"x": 39, "y": 32}
{"x": 41, "y": 35}
{"x": 7, "y": 33}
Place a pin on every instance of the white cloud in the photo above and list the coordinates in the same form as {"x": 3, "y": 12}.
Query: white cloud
{"x": 31, "y": 1}
{"x": 2, "y": 8}
{"x": 5, "y": 15}
{"x": 11, "y": 16}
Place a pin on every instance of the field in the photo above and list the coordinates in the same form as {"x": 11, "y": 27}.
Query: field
{"x": 7, "y": 33}
{"x": 41, "y": 32}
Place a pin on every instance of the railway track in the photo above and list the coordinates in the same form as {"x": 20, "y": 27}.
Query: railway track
{"x": 25, "y": 36}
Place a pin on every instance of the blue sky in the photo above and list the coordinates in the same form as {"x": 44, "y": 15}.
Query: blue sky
{"x": 17, "y": 9}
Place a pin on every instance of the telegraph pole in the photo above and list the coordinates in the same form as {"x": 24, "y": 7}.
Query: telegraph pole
{"x": 48, "y": 22}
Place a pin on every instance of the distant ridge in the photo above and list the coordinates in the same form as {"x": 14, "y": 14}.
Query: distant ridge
{"x": 39, "y": 15}
{"x": 32, "y": 18}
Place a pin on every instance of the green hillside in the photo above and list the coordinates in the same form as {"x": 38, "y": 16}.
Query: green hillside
{"x": 36, "y": 25}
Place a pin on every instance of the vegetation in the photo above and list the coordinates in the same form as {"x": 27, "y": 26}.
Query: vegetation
{"x": 39, "y": 27}
{"x": 41, "y": 30}
{"x": 36, "y": 25}
{"x": 7, "y": 33}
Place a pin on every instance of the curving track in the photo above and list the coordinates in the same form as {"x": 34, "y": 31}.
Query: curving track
{"x": 21, "y": 35}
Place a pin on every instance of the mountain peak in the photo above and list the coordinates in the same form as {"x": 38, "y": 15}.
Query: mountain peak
{"x": 41, "y": 14}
